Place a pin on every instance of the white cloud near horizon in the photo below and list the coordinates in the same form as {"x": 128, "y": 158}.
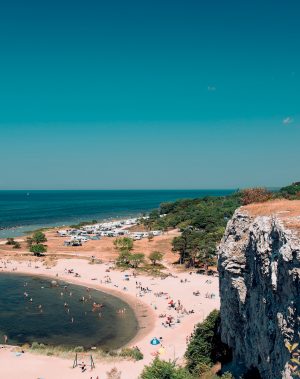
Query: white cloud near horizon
{"x": 211, "y": 88}
{"x": 287, "y": 120}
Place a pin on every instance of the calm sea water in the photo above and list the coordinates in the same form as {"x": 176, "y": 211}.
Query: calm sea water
{"x": 21, "y": 211}
{"x": 24, "y": 322}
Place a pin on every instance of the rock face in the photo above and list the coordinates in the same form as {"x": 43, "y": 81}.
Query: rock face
{"x": 259, "y": 269}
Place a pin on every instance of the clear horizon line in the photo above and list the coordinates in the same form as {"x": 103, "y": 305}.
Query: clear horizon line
{"x": 136, "y": 189}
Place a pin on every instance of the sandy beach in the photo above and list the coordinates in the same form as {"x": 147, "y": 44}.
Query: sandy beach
{"x": 148, "y": 306}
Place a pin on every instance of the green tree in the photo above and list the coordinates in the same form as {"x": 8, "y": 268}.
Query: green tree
{"x": 38, "y": 249}
{"x": 181, "y": 245}
{"x": 155, "y": 256}
{"x": 136, "y": 259}
{"x": 124, "y": 258}
{"x": 39, "y": 237}
{"x": 164, "y": 370}
{"x": 16, "y": 245}
{"x": 206, "y": 252}
{"x": 123, "y": 243}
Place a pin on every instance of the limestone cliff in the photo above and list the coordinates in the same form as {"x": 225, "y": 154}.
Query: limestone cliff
{"x": 259, "y": 268}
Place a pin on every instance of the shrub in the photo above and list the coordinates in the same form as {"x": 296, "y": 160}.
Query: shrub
{"x": 112, "y": 353}
{"x": 134, "y": 353}
{"x": 292, "y": 191}
{"x": 10, "y": 241}
{"x": 205, "y": 347}
{"x": 35, "y": 345}
{"x": 255, "y": 195}
{"x": 164, "y": 370}
{"x": 13, "y": 243}
{"x": 227, "y": 375}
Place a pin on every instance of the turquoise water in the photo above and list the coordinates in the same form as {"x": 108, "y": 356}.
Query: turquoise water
{"x": 24, "y": 321}
{"x": 21, "y": 211}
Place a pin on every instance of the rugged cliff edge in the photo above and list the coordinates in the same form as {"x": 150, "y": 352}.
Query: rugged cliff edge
{"x": 259, "y": 268}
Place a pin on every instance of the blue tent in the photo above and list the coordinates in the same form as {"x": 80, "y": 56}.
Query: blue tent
{"x": 155, "y": 341}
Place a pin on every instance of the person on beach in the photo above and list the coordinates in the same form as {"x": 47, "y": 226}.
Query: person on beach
{"x": 5, "y": 338}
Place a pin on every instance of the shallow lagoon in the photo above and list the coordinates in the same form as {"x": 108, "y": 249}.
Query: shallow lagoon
{"x": 47, "y": 319}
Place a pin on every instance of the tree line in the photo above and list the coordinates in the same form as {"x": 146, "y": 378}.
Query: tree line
{"x": 202, "y": 221}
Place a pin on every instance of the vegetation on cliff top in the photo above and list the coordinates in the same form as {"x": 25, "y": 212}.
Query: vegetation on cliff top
{"x": 291, "y": 192}
{"x": 202, "y": 221}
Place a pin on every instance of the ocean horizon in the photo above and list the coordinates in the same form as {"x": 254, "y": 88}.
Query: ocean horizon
{"x": 25, "y": 210}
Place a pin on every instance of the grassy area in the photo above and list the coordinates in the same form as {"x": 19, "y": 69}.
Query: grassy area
{"x": 69, "y": 352}
{"x": 149, "y": 269}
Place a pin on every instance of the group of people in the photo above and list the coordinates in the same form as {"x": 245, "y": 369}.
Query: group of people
{"x": 142, "y": 290}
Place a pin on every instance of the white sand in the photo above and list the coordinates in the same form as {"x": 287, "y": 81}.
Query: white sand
{"x": 32, "y": 366}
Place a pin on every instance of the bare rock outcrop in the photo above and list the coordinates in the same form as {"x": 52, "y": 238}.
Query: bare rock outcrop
{"x": 259, "y": 269}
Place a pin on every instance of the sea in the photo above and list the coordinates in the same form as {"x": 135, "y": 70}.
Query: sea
{"x": 24, "y": 211}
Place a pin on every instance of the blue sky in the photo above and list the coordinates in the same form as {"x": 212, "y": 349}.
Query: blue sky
{"x": 149, "y": 94}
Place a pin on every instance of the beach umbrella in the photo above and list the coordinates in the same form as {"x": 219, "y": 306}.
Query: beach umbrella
{"x": 155, "y": 341}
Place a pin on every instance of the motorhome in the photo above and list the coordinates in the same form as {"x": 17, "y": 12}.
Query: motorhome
{"x": 79, "y": 238}
{"x": 72, "y": 243}
{"x": 156, "y": 232}
{"x": 62, "y": 233}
